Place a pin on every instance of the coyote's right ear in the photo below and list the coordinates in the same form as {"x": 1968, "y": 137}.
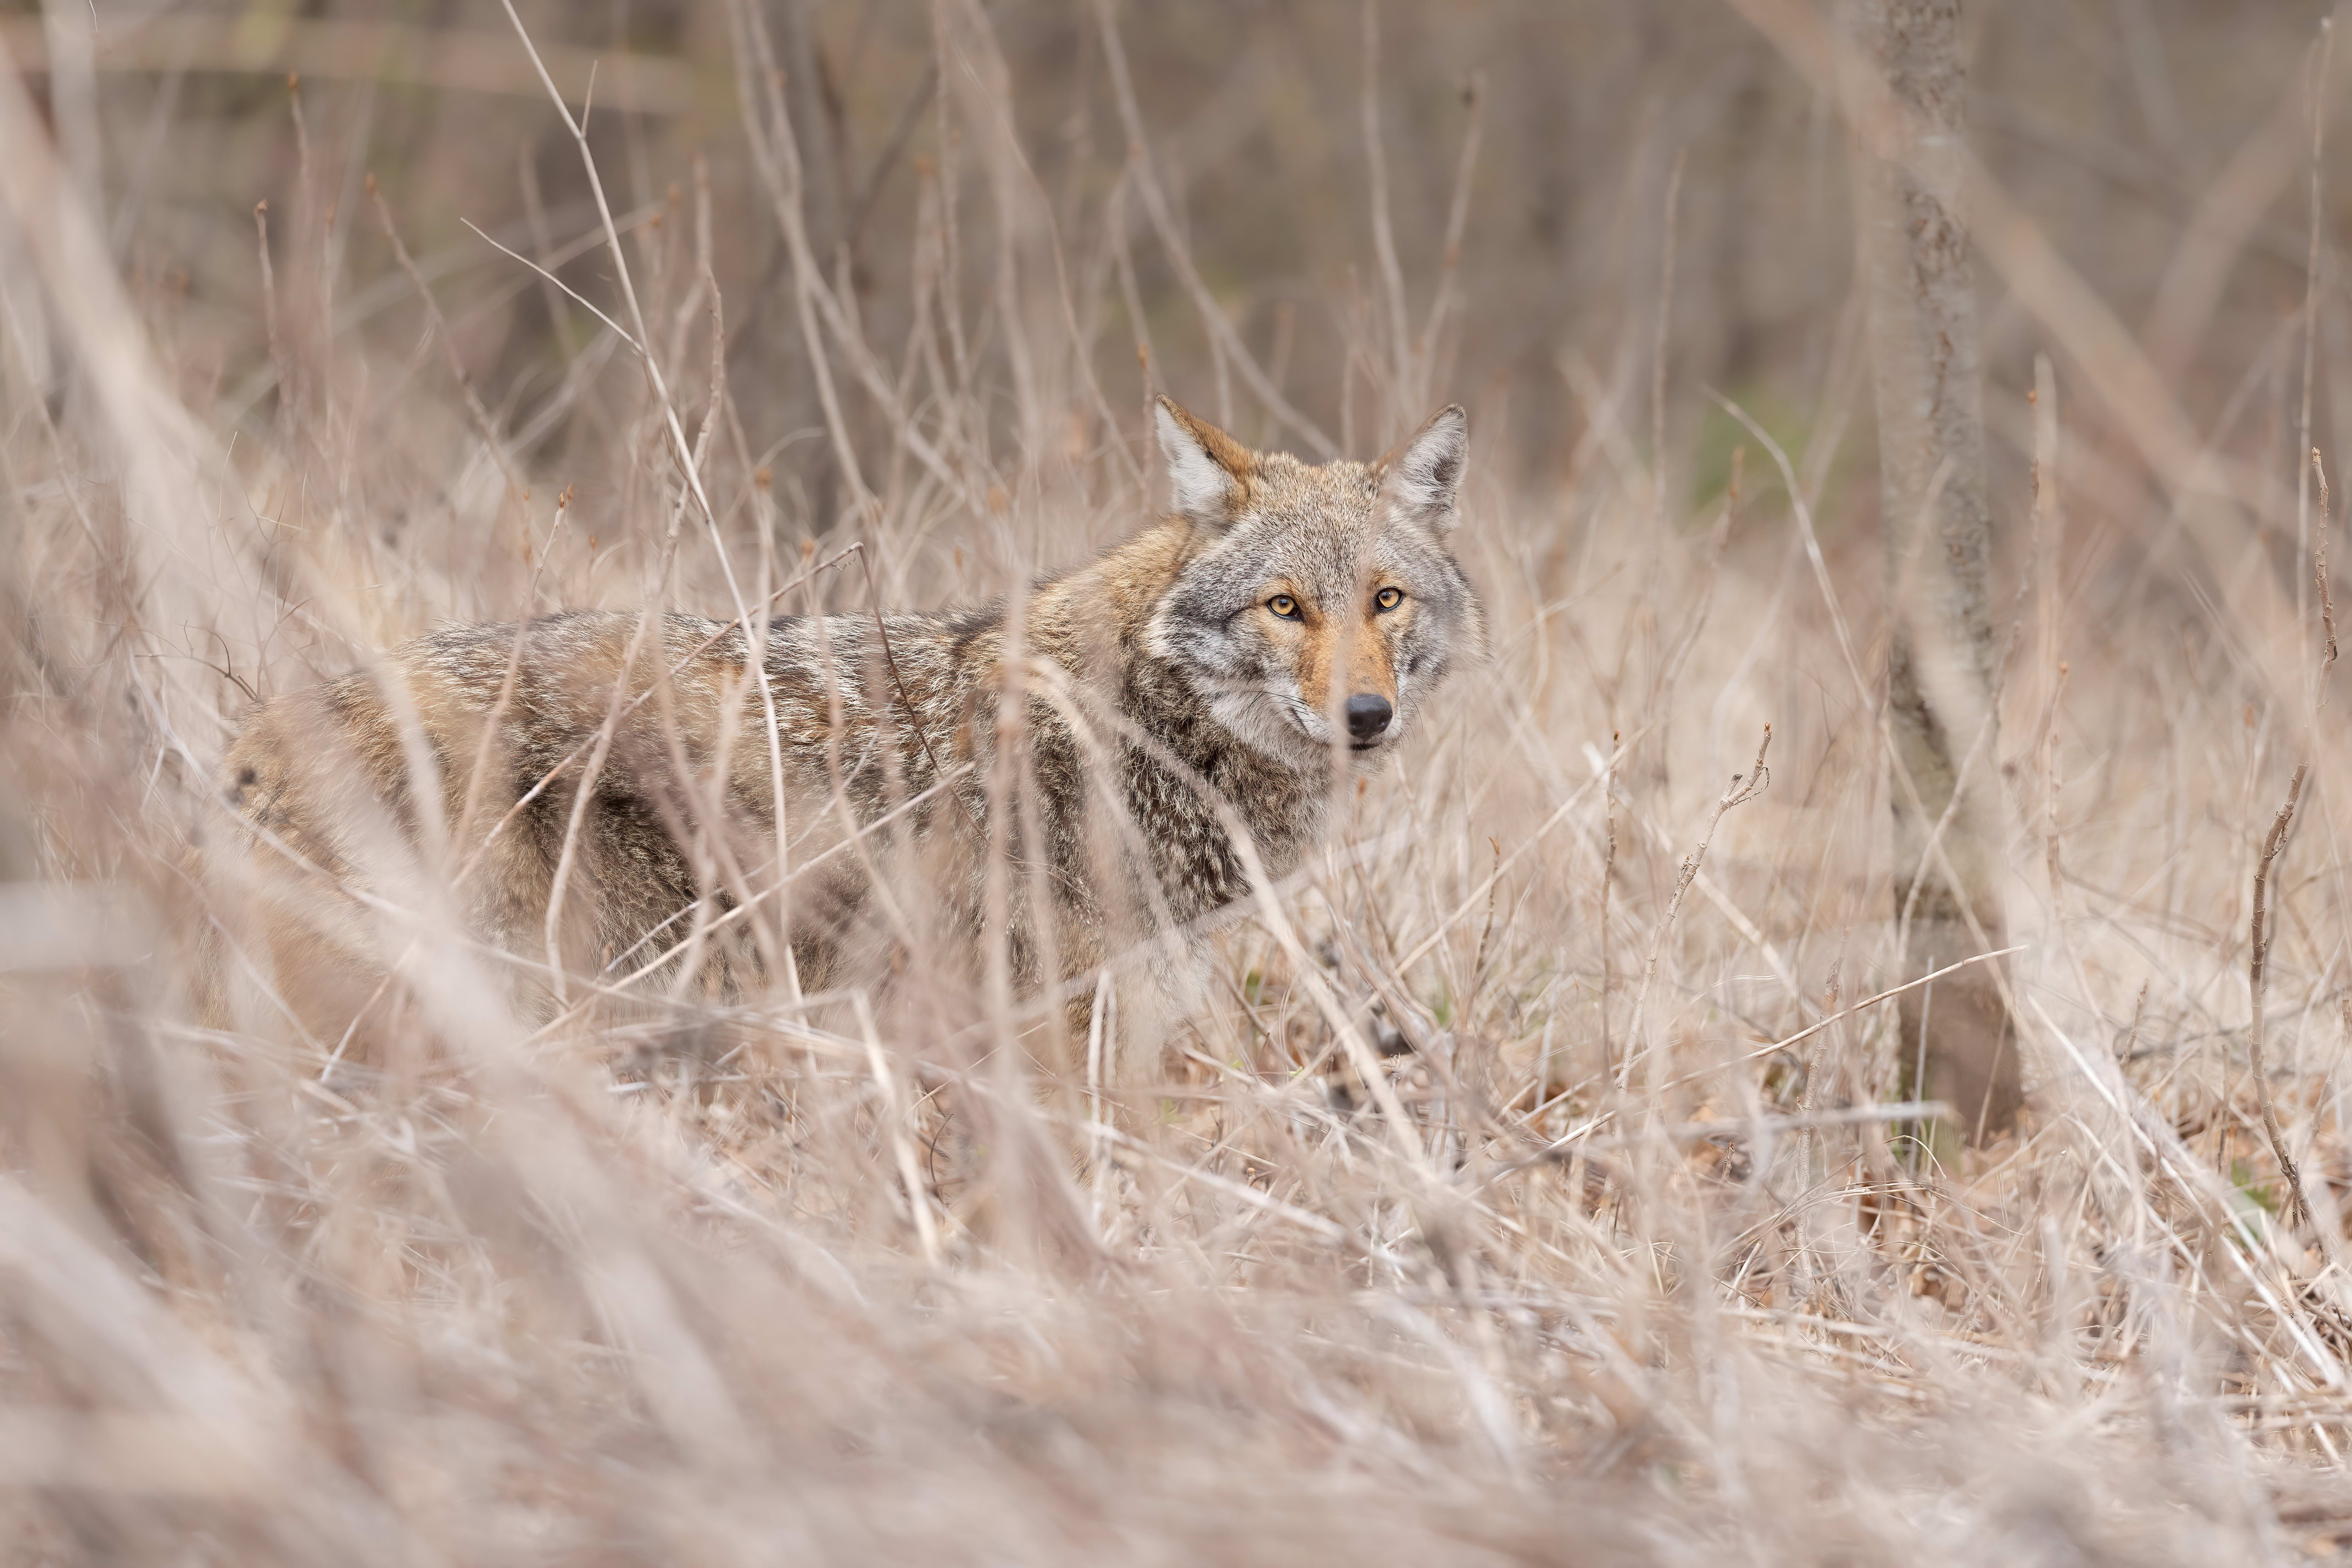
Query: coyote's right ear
{"x": 1209, "y": 472}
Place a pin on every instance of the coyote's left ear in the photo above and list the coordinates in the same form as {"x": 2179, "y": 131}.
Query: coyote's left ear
{"x": 1422, "y": 480}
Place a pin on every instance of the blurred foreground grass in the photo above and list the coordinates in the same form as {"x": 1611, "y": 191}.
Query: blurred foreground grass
{"x": 582, "y": 1295}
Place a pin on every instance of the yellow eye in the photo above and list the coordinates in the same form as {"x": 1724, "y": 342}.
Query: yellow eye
{"x": 1283, "y": 605}
{"x": 1389, "y": 598}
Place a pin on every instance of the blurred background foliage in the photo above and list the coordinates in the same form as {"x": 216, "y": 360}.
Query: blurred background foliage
{"x": 2127, "y": 128}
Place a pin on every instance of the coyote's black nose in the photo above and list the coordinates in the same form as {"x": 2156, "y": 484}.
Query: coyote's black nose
{"x": 1368, "y": 714}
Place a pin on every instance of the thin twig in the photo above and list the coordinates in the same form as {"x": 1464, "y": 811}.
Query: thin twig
{"x": 2051, "y": 859}
{"x": 2310, "y": 281}
{"x": 671, "y": 426}
{"x": 914, "y": 718}
{"x": 1743, "y": 787}
{"x": 1171, "y": 239}
{"x": 861, "y": 206}
{"x": 483, "y": 423}
{"x": 2258, "y": 966}
{"x": 1457, "y": 219}
{"x": 1751, "y": 1127}
{"x": 776, "y": 155}
{"x": 647, "y": 618}
{"x": 1658, "y": 348}
{"x": 611, "y": 326}
{"x": 1608, "y": 876}
{"x": 918, "y": 1198}
{"x": 1384, "y": 228}
{"x": 2327, "y": 600}
{"x": 269, "y": 302}
{"x": 492, "y": 731}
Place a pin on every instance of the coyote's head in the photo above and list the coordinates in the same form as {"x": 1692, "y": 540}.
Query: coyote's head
{"x": 1317, "y": 607}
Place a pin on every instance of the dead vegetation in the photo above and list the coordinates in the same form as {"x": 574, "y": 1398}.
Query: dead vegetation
{"x": 1540, "y": 1185}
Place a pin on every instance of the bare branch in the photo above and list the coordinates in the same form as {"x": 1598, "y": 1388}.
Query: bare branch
{"x": 2258, "y": 970}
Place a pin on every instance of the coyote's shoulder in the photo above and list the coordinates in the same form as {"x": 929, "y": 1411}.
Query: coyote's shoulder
{"x": 1207, "y": 683}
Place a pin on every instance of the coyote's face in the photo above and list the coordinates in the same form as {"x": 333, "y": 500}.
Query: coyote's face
{"x": 1319, "y": 607}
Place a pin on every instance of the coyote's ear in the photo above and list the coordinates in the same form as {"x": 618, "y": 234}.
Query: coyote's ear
{"x": 1209, "y": 472}
{"x": 1422, "y": 480}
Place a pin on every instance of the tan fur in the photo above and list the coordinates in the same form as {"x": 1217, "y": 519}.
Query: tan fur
{"x": 1170, "y": 701}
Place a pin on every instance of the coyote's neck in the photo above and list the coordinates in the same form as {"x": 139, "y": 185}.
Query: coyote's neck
{"x": 1096, "y": 619}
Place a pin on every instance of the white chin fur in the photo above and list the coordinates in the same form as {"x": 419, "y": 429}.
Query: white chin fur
{"x": 1276, "y": 728}
{"x": 1257, "y": 720}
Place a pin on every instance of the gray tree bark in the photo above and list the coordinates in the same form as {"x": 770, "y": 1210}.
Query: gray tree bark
{"x": 1957, "y": 1043}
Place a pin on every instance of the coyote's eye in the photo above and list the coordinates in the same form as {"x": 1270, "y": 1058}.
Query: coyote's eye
{"x": 1283, "y": 605}
{"x": 1389, "y": 598}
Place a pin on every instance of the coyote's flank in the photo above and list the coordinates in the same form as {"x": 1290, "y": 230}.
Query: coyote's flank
{"x": 1233, "y": 663}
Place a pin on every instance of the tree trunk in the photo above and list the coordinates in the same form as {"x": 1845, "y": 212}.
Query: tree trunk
{"x": 1957, "y": 1041}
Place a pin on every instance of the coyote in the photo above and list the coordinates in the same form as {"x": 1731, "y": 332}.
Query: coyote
{"x": 1217, "y": 676}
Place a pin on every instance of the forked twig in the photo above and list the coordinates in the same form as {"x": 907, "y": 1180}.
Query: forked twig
{"x": 574, "y": 295}
{"x": 682, "y": 451}
{"x": 2258, "y": 968}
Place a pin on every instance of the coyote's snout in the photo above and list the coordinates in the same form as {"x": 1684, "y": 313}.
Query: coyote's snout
{"x": 610, "y": 793}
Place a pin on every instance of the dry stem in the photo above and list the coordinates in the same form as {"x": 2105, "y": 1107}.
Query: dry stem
{"x": 2257, "y": 967}
{"x": 1743, "y": 787}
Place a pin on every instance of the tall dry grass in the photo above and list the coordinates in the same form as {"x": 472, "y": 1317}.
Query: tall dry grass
{"x": 1644, "y": 1269}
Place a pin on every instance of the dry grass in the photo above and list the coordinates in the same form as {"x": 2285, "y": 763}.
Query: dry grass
{"x": 1642, "y": 1273}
